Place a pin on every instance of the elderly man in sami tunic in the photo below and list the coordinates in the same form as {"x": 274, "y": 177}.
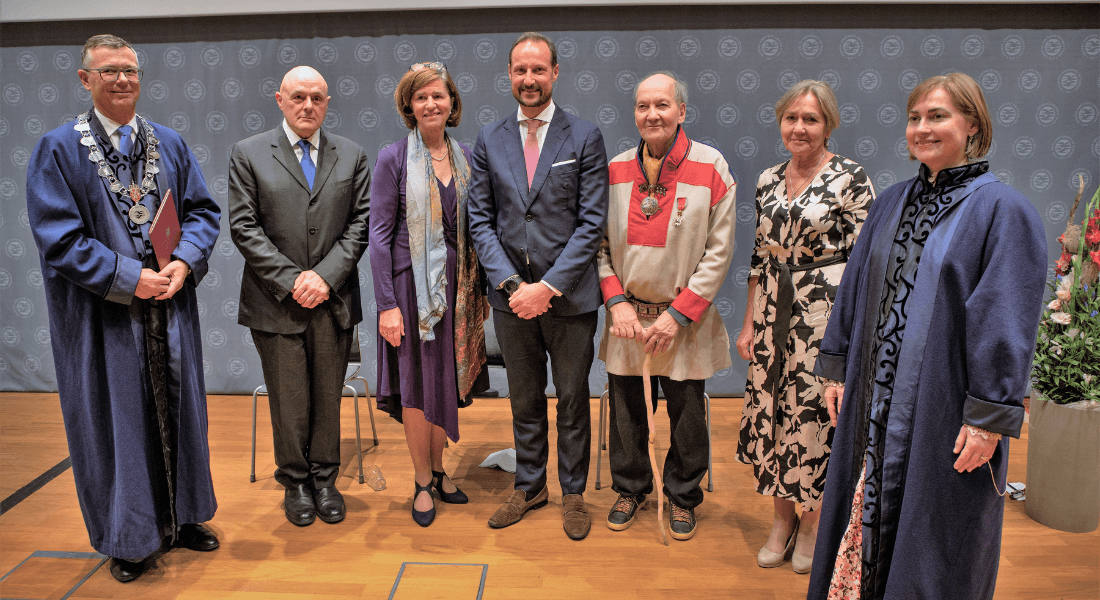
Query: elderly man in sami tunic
{"x": 125, "y": 332}
{"x": 663, "y": 259}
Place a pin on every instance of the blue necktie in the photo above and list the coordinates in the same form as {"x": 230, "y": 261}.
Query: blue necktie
{"x": 307, "y": 163}
{"x": 125, "y": 144}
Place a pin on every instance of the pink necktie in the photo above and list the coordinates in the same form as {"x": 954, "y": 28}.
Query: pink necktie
{"x": 531, "y": 149}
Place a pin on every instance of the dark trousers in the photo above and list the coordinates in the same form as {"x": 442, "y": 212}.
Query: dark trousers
{"x": 688, "y": 451}
{"x": 304, "y": 373}
{"x": 525, "y": 345}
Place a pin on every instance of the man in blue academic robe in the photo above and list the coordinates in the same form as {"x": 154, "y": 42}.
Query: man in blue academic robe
{"x": 125, "y": 331}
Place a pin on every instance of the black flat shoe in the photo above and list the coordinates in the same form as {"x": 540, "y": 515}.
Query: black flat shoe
{"x": 298, "y": 505}
{"x": 330, "y": 504}
{"x": 195, "y": 536}
{"x": 455, "y": 497}
{"x": 125, "y": 571}
{"x": 423, "y": 518}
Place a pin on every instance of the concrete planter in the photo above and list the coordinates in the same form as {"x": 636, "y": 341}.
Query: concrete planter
{"x": 1063, "y": 465}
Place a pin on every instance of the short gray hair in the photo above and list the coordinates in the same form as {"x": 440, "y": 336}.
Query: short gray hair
{"x": 681, "y": 88}
{"x": 99, "y": 41}
{"x": 825, "y": 99}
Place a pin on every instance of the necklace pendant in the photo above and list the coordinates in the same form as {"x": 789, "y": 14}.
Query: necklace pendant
{"x": 116, "y": 186}
{"x": 138, "y": 214}
{"x": 105, "y": 171}
{"x": 650, "y": 206}
{"x": 135, "y": 193}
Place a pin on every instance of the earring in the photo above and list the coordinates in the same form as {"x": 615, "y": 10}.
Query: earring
{"x": 969, "y": 145}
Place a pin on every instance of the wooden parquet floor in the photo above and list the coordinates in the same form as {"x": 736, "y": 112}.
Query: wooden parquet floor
{"x": 378, "y": 552}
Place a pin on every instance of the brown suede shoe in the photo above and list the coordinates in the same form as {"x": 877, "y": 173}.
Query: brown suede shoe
{"x": 512, "y": 511}
{"x": 574, "y": 516}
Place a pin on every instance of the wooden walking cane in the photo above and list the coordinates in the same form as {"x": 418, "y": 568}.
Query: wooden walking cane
{"x": 652, "y": 452}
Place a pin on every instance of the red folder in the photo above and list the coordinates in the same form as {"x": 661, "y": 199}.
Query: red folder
{"x": 165, "y": 231}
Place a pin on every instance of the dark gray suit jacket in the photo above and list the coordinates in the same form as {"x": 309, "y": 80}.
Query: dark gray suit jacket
{"x": 282, "y": 228}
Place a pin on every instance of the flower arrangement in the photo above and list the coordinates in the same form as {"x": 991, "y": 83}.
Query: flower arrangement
{"x": 1067, "y": 354}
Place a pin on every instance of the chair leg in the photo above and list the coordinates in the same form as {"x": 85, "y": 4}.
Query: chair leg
{"x": 601, "y": 438}
{"x": 710, "y": 447}
{"x": 358, "y": 436}
{"x": 370, "y": 409}
{"x": 252, "y": 473}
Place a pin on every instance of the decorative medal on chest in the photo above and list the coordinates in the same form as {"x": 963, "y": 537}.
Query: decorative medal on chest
{"x": 681, "y": 204}
{"x": 137, "y": 213}
{"x": 650, "y": 205}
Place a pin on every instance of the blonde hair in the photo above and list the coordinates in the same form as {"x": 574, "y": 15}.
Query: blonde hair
{"x": 825, "y": 99}
{"x": 967, "y": 96}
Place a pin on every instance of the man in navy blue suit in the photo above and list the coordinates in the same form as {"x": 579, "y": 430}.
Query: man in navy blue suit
{"x": 537, "y": 209}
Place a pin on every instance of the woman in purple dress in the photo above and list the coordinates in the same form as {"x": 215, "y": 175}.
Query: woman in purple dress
{"x": 431, "y": 309}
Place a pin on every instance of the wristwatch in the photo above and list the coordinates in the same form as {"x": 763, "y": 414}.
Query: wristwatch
{"x": 510, "y": 285}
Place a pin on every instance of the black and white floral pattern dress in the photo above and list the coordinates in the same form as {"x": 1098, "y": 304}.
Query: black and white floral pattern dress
{"x": 785, "y": 429}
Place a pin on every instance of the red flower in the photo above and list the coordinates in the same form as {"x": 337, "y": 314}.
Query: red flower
{"x": 1092, "y": 232}
{"x": 1095, "y": 256}
{"x": 1064, "y": 263}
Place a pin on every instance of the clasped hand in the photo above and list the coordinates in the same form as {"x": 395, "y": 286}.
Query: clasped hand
{"x": 530, "y": 300}
{"x": 656, "y": 338}
{"x": 310, "y": 289}
{"x": 163, "y": 284}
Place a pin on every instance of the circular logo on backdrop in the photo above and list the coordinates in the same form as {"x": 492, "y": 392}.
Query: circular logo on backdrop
{"x": 42, "y": 335}
{"x": 1012, "y": 46}
{"x": 5, "y": 279}
{"x": 931, "y": 46}
{"x": 250, "y": 55}
{"x": 365, "y": 53}
{"x": 647, "y": 47}
{"x": 748, "y": 81}
{"x": 1047, "y": 114}
{"x": 770, "y": 47}
{"x": 268, "y": 87}
{"x": 567, "y": 48}
{"x": 745, "y": 214}
{"x": 215, "y": 337}
{"x": 32, "y": 364}
{"x": 20, "y": 157}
{"x": 908, "y": 79}
{"x": 607, "y": 47}
{"x": 747, "y": 147}
{"x": 1030, "y": 80}
{"x": 385, "y": 85}
{"x": 1069, "y": 80}
{"x": 901, "y": 148}
{"x": 1086, "y": 114}
{"x": 1004, "y": 175}
{"x": 246, "y": 335}
{"x": 10, "y": 335}
{"x": 866, "y": 147}
{"x": 1023, "y": 147}
{"x": 237, "y": 367}
{"x": 690, "y": 115}
{"x": 253, "y": 121}
{"x": 973, "y": 46}
{"x": 851, "y": 46}
{"x": 486, "y": 50}
{"x": 3, "y": 126}
{"x": 212, "y": 282}
{"x": 230, "y": 308}
{"x": 503, "y": 84}
{"x": 8, "y": 188}
{"x": 1053, "y": 46}
{"x": 1056, "y": 212}
{"x": 287, "y": 53}
{"x": 369, "y": 119}
{"x": 810, "y": 46}
{"x": 15, "y": 249}
{"x": 62, "y": 60}
{"x": 27, "y": 62}
{"x": 724, "y": 306}
{"x": 232, "y": 89}
{"x": 781, "y": 150}
{"x": 728, "y": 115}
{"x": 707, "y": 81}
{"x": 1074, "y": 178}
{"x": 1008, "y": 113}
{"x": 891, "y": 47}
{"x": 1091, "y": 46}
{"x": 607, "y": 115}
{"x": 466, "y": 83}
{"x": 34, "y": 126}
{"x": 765, "y": 115}
{"x": 486, "y": 114}
{"x": 48, "y": 94}
{"x": 445, "y": 49}
{"x": 830, "y": 77}
{"x": 1041, "y": 180}
{"x": 990, "y": 80}
{"x": 23, "y": 307}
{"x": 347, "y": 86}
{"x": 211, "y": 56}
{"x": 327, "y": 53}
{"x": 332, "y": 120}
{"x": 688, "y": 47}
{"x": 174, "y": 57}
{"x": 216, "y": 122}
{"x": 729, "y": 47}
{"x": 194, "y": 90}
{"x": 201, "y": 152}
{"x": 586, "y": 82}
{"x": 888, "y": 114}
{"x": 1096, "y": 147}
{"x": 625, "y": 144}
{"x": 626, "y": 81}
{"x": 1062, "y": 147}
{"x": 157, "y": 90}
{"x": 786, "y": 79}
{"x": 849, "y": 113}
{"x": 179, "y": 122}
{"x": 869, "y": 80}
{"x": 884, "y": 179}
{"x": 219, "y": 186}
{"x": 404, "y": 52}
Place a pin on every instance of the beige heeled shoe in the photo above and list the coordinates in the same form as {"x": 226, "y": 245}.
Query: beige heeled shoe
{"x": 801, "y": 563}
{"x": 768, "y": 559}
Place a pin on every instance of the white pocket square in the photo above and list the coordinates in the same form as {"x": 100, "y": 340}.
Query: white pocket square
{"x": 564, "y": 162}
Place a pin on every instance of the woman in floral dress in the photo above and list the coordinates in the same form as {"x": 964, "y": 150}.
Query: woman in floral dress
{"x": 809, "y": 212}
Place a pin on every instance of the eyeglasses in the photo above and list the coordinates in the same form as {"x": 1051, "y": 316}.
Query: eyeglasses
{"x": 112, "y": 73}
{"x": 435, "y": 66}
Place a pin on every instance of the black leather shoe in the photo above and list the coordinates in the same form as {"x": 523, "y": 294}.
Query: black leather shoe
{"x": 330, "y": 504}
{"x": 195, "y": 536}
{"x": 455, "y": 497}
{"x": 298, "y": 505}
{"x": 425, "y": 517}
{"x": 125, "y": 571}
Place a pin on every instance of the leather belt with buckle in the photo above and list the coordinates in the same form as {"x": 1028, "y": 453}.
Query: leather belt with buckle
{"x": 645, "y": 309}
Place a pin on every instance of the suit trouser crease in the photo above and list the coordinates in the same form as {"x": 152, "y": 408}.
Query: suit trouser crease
{"x": 688, "y": 453}
{"x": 304, "y": 373}
{"x": 568, "y": 343}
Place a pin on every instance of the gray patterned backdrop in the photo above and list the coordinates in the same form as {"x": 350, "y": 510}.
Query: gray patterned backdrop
{"x": 1041, "y": 87}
